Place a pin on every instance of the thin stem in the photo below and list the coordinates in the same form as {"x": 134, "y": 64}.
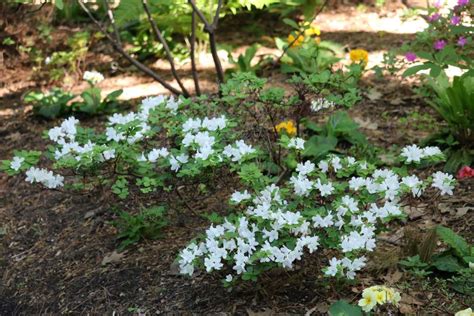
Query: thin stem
{"x": 120, "y": 50}
{"x": 162, "y": 40}
{"x": 112, "y": 21}
{"x": 193, "y": 57}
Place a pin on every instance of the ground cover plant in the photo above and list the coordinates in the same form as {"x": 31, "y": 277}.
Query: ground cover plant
{"x": 273, "y": 157}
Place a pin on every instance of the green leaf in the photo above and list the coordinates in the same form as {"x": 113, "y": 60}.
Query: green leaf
{"x": 318, "y": 146}
{"x": 415, "y": 69}
{"x": 447, "y": 263}
{"x": 291, "y": 23}
{"x": 342, "y": 308}
{"x": 59, "y": 4}
{"x": 459, "y": 244}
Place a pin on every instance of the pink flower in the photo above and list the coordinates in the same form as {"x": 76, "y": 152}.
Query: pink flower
{"x": 463, "y": 2}
{"x": 439, "y": 44}
{"x": 465, "y": 172}
{"x": 462, "y": 41}
{"x": 434, "y": 17}
{"x": 438, "y": 4}
{"x": 410, "y": 56}
{"x": 455, "y": 20}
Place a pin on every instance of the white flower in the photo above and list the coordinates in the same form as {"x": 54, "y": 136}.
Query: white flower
{"x": 16, "y": 162}
{"x": 302, "y": 185}
{"x": 323, "y": 166}
{"x": 321, "y": 103}
{"x": 432, "y": 151}
{"x": 324, "y": 189}
{"x": 336, "y": 163}
{"x": 192, "y": 125}
{"x": 305, "y": 168}
{"x": 444, "y": 182}
{"x": 156, "y": 153}
{"x": 109, "y": 154}
{"x": 332, "y": 269}
{"x": 93, "y": 76}
{"x": 177, "y": 161}
{"x": 319, "y": 221}
{"x": 238, "y": 197}
{"x": 228, "y": 278}
{"x": 214, "y": 124}
{"x": 413, "y": 183}
{"x": 238, "y": 150}
{"x": 412, "y": 153}
{"x": 297, "y": 143}
{"x": 45, "y": 177}
{"x": 173, "y": 104}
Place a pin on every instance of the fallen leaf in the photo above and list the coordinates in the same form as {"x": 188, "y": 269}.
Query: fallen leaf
{"x": 367, "y": 124}
{"x": 444, "y": 208}
{"x": 461, "y": 211}
{"x": 393, "y": 277}
{"x": 113, "y": 257}
{"x": 396, "y": 101}
{"x": 373, "y": 94}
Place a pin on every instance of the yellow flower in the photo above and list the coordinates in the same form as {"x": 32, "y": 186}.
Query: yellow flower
{"x": 298, "y": 41}
{"x": 317, "y": 40}
{"x": 359, "y": 56}
{"x": 288, "y": 126}
{"x": 465, "y": 312}
{"x": 312, "y": 31}
{"x": 381, "y": 297}
{"x": 368, "y": 301}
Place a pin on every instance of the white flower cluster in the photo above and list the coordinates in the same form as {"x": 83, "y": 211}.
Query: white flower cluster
{"x": 279, "y": 224}
{"x": 320, "y": 104}
{"x": 139, "y": 130}
{"x": 93, "y": 77}
{"x": 413, "y": 153}
{"x": 238, "y": 150}
{"x": 45, "y": 177}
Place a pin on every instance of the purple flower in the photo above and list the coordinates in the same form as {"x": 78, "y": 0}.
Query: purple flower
{"x": 410, "y": 56}
{"x": 462, "y": 3}
{"x": 439, "y": 44}
{"x": 434, "y": 17}
{"x": 462, "y": 41}
{"x": 455, "y": 20}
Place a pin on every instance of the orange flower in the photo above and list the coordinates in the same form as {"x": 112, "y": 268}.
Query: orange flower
{"x": 296, "y": 43}
{"x": 359, "y": 56}
{"x": 288, "y": 126}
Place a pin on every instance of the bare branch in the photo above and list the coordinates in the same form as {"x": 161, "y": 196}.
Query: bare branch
{"x": 207, "y": 26}
{"x": 210, "y": 29}
{"x": 162, "y": 40}
{"x": 120, "y": 50}
{"x": 216, "y": 16}
{"x": 193, "y": 57}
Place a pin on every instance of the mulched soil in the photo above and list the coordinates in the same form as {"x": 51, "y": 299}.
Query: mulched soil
{"x": 58, "y": 251}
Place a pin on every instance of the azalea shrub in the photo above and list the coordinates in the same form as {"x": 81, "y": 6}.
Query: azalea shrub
{"x": 252, "y": 138}
{"x": 335, "y": 208}
{"x": 445, "y": 42}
